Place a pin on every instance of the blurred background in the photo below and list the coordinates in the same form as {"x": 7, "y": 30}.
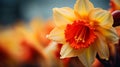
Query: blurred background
{"x": 24, "y": 25}
{"x": 14, "y": 10}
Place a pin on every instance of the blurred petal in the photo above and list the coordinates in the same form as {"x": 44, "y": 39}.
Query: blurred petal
{"x": 67, "y": 51}
{"x": 63, "y": 16}
{"x": 118, "y": 30}
{"x": 110, "y": 34}
{"x": 10, "y": 42}
{"x": 102, "y": 47}
{"x": 97, "y": 63}
{"x": 101, "y": 17}
{"x": 75, "y": 62}
{"x": 114, "y": 5}
{"x": 117, "y": 3}
{"x": 88, "y": 56}
{"x": 36, "y": 24}
{"x": 57, "y": 34}
{"x": 82, "y": 7}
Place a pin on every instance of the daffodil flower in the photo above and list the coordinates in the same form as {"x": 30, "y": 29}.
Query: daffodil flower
{"x": 84, "y": 32}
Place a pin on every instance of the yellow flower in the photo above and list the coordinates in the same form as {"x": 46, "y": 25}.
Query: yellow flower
{"x": 84, "y": 31}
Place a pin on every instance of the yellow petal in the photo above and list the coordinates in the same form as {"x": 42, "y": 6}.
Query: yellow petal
{"x": 102, "y": 47}
{"x": 88, "y": 56}
{"x": 101, "y": 17}
{"x": 67, "y": 51}
{"x": 82, "y": 7}
{"x": 63, "y": 16}
{"x": 110, "y": 34}
{"x": 57, "y": 34}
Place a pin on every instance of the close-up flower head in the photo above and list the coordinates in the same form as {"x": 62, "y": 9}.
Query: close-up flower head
{"x": 84, "y": 31}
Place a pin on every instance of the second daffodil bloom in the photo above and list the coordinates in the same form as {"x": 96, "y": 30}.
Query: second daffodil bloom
{"x": 84, "y": 32}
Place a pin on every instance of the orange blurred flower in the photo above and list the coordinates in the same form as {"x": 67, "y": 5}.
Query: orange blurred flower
{"x": 40, "y": 29}
{"x": 115, "y": 5}
{"x": 20, "y": 43}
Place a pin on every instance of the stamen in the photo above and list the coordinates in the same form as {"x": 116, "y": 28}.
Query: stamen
{"x": 79, "y": 34}
{"x": 84, "y": 35}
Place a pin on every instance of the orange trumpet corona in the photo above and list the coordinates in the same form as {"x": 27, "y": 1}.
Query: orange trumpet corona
{"x": 80, "y": 34}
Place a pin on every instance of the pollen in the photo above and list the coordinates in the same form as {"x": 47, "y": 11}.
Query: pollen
{"x": 80, "y": 34}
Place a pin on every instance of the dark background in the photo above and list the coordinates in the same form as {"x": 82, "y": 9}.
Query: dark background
{"x": 14, "y": 10}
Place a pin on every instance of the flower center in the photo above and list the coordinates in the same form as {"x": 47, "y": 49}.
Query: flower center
{"x": 80, "y": 34}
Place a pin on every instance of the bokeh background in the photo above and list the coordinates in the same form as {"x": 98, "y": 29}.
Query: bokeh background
{"x": 24, "y": 25}
{"x": 14, "y": 10}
